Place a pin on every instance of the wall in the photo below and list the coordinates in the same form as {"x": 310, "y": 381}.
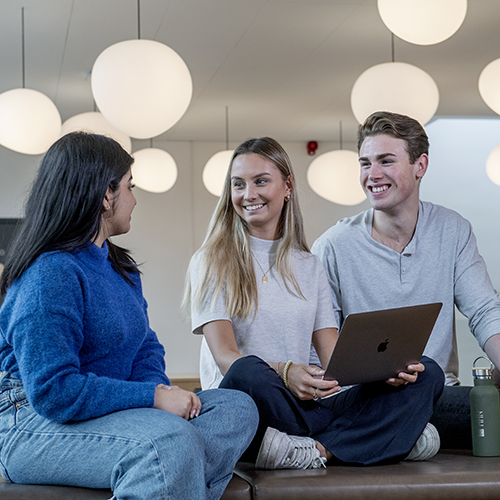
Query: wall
{"x": 457, "y": 179}
{"x": 167, "y": 228}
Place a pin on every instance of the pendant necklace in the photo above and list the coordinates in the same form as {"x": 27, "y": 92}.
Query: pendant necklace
{"x": 264, "y": 274}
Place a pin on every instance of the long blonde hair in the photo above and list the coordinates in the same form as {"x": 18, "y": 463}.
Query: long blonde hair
{"x": 226, "y": 260}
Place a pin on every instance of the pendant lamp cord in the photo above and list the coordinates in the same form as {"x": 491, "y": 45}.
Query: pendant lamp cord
{"x": 138, "y": 19}
{"x": 392, "y": 46}
{"x": 22, "y": 46}
{"x": 340, "y": 135}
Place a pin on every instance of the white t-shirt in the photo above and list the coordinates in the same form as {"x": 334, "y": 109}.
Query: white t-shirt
{"x": 283, "y": 326}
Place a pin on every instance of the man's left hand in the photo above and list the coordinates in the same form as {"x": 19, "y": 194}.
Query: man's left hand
{"x": 404, "y": 378}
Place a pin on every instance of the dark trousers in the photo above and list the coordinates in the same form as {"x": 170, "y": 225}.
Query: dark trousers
{"x": 452, "y": 418}
{"x": 368, "y": 424}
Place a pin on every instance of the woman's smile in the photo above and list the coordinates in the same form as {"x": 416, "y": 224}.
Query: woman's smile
{"x": 253, "y": 208}
{"x": 258, "y": 192}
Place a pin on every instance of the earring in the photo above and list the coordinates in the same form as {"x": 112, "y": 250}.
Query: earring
{"x": 287, "y": 199}
{"x": 107, "y": 207}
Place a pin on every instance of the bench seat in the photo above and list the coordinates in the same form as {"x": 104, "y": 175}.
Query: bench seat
{"x": 453, "y": 474}
{"x": 450, "y": 475}
{"x": 238, "y": 489}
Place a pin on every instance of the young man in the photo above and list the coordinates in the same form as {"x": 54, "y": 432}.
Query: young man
{"x": 404, "y": 251}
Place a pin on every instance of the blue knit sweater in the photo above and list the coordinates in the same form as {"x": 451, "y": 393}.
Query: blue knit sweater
{"x": 77, "y": 335}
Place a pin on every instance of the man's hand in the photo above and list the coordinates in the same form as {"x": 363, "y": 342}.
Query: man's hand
{"x": 175, "y": 400}
{"x": 407, "y": 378}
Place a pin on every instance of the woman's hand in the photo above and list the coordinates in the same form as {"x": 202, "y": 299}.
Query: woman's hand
{"x": 306, "y": 382}
{"x": 175, "y": 400}
{"x": 407, "y": 378}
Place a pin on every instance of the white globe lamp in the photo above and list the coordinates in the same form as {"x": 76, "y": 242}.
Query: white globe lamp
{"x": 142, "y": 87}
{"x": 154, "y": 170}
{"x": 493, "y": 166}
{"x": 215, "y": 171}
{"x": 396, "y": 87}
{"x": 95, "y": 123}
{"x": 335, "y": 177}
{"x": 29, "y": 121}
{"x": 489, "y": 85}
{"x": 423, "y": 22}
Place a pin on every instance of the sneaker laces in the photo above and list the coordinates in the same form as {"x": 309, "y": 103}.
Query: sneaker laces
{"x": 303, "y": 454}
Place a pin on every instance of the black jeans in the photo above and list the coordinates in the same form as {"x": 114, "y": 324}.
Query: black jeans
{"x": 367, "y": 424}
{"x": 452, "y": 418}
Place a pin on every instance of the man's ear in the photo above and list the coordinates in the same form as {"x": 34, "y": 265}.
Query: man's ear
{"x": 421, "y": 164}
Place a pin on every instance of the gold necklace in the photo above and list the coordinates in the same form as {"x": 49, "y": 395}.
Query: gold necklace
{"x": 264, "y": 274}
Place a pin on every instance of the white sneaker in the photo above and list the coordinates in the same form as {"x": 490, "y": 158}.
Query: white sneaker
{"x": 427, "y": 445}
{"x": 281, "y": 451}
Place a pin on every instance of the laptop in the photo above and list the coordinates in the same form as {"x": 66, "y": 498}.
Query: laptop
{"x": 377, "y": 345}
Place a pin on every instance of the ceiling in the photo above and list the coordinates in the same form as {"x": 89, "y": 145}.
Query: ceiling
{"x": 284, "y": 68}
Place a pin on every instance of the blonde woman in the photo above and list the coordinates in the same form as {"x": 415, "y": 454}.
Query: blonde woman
{"x": 260, "y": 298}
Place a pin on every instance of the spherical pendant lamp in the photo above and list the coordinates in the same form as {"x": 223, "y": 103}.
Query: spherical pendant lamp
{"x": 493, "y": 166}
{"x": 489, "y": 85}
{"x": 142, "y": 87}
{"x": 335, "y": 177}
{"x": 397, "y": 87}
{"x": 29, "y": 121}
{"x": 215, "y": 171}
{"x": 423, "y": 22}
{"x": 95, "y": 123}
{"x": 154, "y": 170}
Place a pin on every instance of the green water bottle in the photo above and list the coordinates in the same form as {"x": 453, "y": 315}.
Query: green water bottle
{"x": 484, "y": 412}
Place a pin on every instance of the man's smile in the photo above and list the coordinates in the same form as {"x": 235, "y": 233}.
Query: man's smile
{"x": 379, "y": 189}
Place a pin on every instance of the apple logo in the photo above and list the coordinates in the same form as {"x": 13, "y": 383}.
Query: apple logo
{"x": 382, "y": 346}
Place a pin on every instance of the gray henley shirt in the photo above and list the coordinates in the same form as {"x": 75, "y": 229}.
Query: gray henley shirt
{"x": 440, "y": 264}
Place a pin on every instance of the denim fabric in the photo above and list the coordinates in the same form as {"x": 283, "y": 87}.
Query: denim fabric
{"x": 138, "y": 453}
{"x": 367, "y": 424}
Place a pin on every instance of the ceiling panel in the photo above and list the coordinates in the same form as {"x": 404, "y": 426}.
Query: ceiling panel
{"x": 284, "y": 68}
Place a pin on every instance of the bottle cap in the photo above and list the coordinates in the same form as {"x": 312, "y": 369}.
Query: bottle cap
{"x": 482, "y": 372}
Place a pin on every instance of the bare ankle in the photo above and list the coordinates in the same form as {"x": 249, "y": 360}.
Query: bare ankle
{"x": 323, "y": 452}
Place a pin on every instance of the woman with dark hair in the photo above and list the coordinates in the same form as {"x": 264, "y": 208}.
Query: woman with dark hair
{"x": 260, "y": 298}
{"x": 84, "y": 399}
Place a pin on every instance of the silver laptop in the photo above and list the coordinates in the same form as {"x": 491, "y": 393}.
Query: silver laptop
{"x": 378, "y": 345}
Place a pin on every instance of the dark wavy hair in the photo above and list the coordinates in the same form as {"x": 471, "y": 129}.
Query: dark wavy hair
{"x": 398, "y": 126}
{"x": 64, "y": 207}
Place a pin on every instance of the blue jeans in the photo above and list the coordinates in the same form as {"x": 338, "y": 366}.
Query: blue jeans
{"x": 138, "y": 453}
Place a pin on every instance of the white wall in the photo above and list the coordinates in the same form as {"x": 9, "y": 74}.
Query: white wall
{"x": 167, "y": 228}
{"x": 457, "y": 179}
